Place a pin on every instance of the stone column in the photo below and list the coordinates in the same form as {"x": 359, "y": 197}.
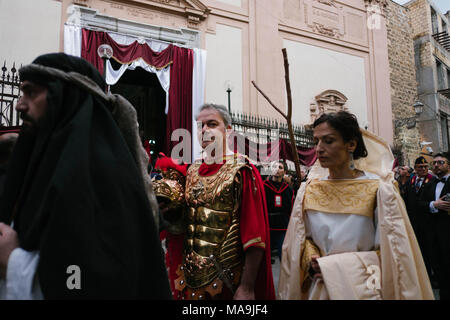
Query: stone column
{"x": 379, "y": 64}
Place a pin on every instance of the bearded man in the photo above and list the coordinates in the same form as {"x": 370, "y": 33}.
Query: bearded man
{"x": 78, "y": 216}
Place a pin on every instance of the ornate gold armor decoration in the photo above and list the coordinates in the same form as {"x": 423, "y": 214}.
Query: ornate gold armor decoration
{"x": 212, "y": 230}
{"x": 170, "y": 187}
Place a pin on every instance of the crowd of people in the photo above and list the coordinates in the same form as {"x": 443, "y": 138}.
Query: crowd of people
{"x": 82, "y": 218}
{"x": 426, "y": 195}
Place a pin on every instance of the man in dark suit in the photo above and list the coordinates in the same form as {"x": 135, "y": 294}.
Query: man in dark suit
{"x": 437, "y": 206}
{"x": 419, "y": 218}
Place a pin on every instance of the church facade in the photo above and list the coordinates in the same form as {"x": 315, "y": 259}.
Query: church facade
{"x": 337, "y": 50}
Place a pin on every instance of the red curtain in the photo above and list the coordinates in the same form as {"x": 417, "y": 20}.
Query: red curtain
{"x": 180, "y": 94}
{"x": 123, "y": 54}
{"x": 181, "y": 71}
{"x": 280, "y": 149}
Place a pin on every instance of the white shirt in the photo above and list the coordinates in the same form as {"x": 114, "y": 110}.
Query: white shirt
{"x": 338, "y": 233}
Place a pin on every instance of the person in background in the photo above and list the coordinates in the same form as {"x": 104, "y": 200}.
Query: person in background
{"x": 280, "y": 198}
{"x": 403, "y": 179}
{"x": 419, "y": 219}
{"x": 396, "y": 172}
{"x": 435, "y": 204}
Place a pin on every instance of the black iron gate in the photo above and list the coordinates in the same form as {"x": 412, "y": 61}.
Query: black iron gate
{"x": 9, "y": 95}
{"x": 264, "y": 130}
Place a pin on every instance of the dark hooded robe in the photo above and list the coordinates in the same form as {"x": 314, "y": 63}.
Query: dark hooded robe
{"x": 75, "y": 194}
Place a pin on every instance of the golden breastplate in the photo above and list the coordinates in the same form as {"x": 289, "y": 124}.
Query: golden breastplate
{"x": 213, "y": 223}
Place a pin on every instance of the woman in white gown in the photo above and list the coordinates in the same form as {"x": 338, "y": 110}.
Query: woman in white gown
{"x": 349, "y": 236}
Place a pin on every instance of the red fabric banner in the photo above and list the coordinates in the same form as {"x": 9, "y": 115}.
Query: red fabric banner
{"x": 123, "y": 54}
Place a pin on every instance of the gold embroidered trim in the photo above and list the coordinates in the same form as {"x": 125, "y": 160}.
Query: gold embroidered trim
{"x": 258, "y": 242}
{"x": 342, "y": 196}
{"x": 310, "y": 250}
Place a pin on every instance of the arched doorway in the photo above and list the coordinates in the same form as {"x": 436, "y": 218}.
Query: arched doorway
{"x": 145, "y": 93}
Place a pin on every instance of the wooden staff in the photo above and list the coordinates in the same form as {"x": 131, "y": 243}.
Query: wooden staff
{"x": 288, "y": 117}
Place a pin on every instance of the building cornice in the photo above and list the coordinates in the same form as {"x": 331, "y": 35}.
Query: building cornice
{"x": 93, "y": 19}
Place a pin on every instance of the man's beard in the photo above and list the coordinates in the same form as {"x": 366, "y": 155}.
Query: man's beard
{"x": 30, "y": 126}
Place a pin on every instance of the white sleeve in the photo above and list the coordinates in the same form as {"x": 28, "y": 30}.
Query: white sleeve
{"x": 433, "y": 208}
{"x": 21, "y": 279}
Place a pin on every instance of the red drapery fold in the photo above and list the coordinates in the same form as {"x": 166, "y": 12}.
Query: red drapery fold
{"x": 180, "y": 94}
{"x": 280, "y": 149}
{"x": 123, "y": 54}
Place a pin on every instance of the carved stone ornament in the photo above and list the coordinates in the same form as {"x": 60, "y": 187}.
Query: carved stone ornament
{"x": 320, "y": 28}
{"x": 380, "y": 4}
{"x": 327, "y": 2}
{"x": 194, "y": 10}
{"x": 325, "y": 17}
{"x": 327, "y": 102}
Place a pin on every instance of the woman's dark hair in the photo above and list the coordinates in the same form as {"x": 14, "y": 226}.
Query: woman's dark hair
{"x": 347, "y": 125}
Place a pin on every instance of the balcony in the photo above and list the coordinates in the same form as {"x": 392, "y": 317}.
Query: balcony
{"x": 443, "y": 39}
{"x": 445, "y": 92}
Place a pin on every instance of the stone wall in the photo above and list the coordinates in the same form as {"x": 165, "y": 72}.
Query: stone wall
{"x": 403, "y": 78}
{"x": 426, "y": 55}
{"x": 419, "y": 13}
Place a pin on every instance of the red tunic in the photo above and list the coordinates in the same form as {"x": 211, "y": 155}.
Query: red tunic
{"x": 254, "y": 227}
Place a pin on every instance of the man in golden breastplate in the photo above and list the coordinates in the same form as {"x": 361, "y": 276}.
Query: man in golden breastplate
{"x": 226, "y": 245}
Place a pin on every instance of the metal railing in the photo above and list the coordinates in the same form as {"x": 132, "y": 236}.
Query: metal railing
{"x": 263, "y": 130}
{"x": 9, "y": 95}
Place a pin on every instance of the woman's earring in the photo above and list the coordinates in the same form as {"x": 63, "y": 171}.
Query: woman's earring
{"x": 352, "y": 162}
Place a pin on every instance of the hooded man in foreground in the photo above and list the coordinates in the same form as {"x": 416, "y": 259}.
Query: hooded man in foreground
{"x": 77, "y": 194}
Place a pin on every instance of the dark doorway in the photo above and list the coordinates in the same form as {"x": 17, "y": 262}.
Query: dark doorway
{"x": 145, "y": 93}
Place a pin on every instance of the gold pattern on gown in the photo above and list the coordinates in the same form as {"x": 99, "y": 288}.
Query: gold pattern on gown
{"x": 342, "y": 196}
